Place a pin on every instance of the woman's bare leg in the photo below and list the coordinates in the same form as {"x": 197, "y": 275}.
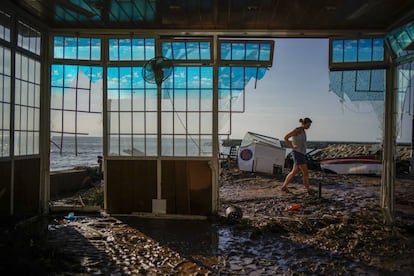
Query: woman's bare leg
{"x": 305, "y": 173}
{"x": 291, "y": 175}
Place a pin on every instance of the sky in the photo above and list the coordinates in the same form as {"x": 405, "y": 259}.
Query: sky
{"x": 297, "y": 86}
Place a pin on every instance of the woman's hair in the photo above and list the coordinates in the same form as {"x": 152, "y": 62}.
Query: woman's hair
{"x": 305, "y": 120}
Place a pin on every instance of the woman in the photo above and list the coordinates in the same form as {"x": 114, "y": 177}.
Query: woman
{"x": 298, "y": 144}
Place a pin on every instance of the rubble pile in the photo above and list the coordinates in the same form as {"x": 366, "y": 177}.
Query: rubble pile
{"x": 358, "y": 149}
{"x": 346, "y": 221}
{"x": 259, "y": 230}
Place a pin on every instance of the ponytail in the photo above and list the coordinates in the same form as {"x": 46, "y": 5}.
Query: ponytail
{"x": 305, "y": 120}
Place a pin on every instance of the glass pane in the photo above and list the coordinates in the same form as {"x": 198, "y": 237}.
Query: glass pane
{"x": 125, "y": 49}
{"x": 238, "y": 51}
{"x": 95, "y": 49}
{"x": 36, "y": 123}
{"x": 252, "y": 51}
{"x": 193, "y": 50}
{"x": 167, "y": 145}
{"x": 350, "y": 50}
{"x": 378, "y": 80}
{"x": 166, "y": 49}
{"x": 265, "y": 52}
{"x": 207, "y": 77}
{"x": 225, "y": 51}
{"x": 365, "y": 50}
{"x": 138, "y": 49}
{"x": 378, "y": 49}
{"x": 114, "y": 144}
{"x": 151, "y": 145}
{"x": 193, "y": 123}
{"x": 205, "y": 50}
{"x": 125, "y": 119}
{"x": 206, "y": 122}
{"x": 149, "y": 48}
{"x": 337, "y": 51}
{"x": 58, "y": 46}
{"x": 180, "y": 123}
{"x": 206, "y": 145}
{"x": 113, "y": 49}
{"x": 151, "y": 99}
{"x": 363, "y": 80}
{"x": 206, "y": 102}
{"x": 193, "y": 77}
{"x": 113, "y": 122}
{"x": 6, "y": 89}
{"x": 180, "y": 146}
{"x": 151, "y": 122}
{"x": 126, "y": 148}
{"x": 138, "y": 102}
{"x": 70, "y": 51}
{"x": 138, "y": 123}
{"x": 193, "y": 100}
{"x": 167, "y": 123}
{"x": 84, "y": 47}
{"x": 179, "y": 50}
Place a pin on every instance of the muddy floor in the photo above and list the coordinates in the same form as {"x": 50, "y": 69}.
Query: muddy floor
{"x": 340, "y": 233}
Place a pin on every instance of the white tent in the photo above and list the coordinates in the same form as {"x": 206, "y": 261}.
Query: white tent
{"x": 260, "y": 153}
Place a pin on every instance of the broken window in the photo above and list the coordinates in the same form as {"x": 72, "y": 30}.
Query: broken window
{"x": 76, "y": 101}
{"x": 401, "y": 40}
{"x": 241, "y": 61}
{"x": 357, "y": 72}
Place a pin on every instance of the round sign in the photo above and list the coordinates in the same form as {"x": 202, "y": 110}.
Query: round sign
{"x": 246, "y": 154}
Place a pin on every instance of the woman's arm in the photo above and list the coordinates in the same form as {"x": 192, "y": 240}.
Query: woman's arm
{"x": 290, "y": 134}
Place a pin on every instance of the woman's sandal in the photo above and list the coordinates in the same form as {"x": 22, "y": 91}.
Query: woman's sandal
{"x": 285, "y": 189}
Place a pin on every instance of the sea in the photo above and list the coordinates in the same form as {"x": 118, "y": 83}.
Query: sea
{"x": 63, "y": 153}
{"x": 84, "y": 151}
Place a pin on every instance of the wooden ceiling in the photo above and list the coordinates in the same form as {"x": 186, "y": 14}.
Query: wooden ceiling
{"x": 304, "y": 15}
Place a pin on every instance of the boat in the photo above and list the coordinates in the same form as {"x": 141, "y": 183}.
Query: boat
{"x": 365, "y": 165}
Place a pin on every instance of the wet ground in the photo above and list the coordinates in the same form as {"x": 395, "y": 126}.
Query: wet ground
{"x": 341, "y": 233}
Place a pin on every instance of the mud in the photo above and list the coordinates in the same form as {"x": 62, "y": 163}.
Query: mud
{"x": 340, "y": 233}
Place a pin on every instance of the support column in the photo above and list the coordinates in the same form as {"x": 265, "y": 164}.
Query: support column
{"x": 44, "y": 145}
{"x": 388, "y": 158}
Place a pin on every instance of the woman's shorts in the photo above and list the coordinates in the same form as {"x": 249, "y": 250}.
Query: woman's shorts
{"x": 298, "y": 158}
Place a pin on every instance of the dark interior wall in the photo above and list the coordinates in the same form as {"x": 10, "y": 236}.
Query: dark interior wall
{"x": 130, "y": 185}
{"x": 187, "y": 187}
{"x": 5, "y": 178}
{"x": 26, "y": 186}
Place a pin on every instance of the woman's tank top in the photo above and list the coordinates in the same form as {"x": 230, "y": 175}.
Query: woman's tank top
{"x": 300, "y": 141}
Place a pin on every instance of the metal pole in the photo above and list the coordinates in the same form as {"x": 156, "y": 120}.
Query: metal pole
{"x": 215, "y": 163}
{"x": 412, "y": 132}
